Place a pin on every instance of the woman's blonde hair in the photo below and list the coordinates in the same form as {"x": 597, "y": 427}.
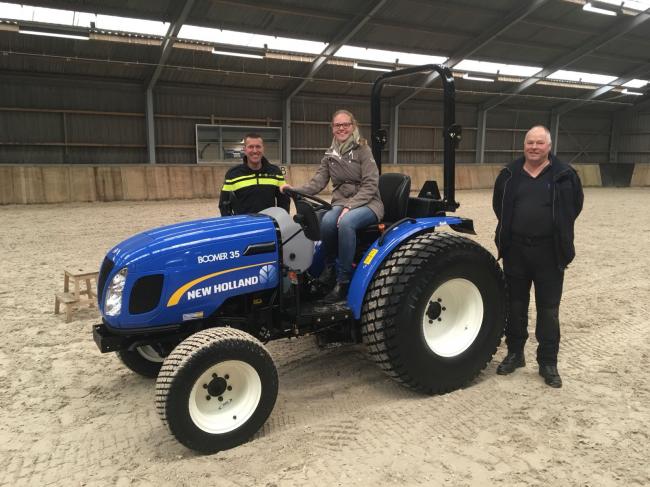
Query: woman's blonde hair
{"x": 362, "y": 141}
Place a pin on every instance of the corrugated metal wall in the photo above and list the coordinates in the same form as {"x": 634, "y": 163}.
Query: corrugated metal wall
{"x": 58, "y": 121}
{"x": 55, "y": 121}
{"x": 585, "y": 139}
{"x": 634, "y": 141}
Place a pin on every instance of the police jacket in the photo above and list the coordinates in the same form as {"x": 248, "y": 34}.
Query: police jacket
{"x": 247, "y": 191}
{"x": 354, "y": 176}
{"x": 567, "y": 201}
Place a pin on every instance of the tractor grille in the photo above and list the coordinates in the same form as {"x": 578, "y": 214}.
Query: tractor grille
{"x": 104, "y": 271}
{"x": 145, "y": 294}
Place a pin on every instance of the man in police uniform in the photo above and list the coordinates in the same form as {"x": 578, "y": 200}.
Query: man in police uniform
{"x": 537, "y": 199}
{"x": 253, "y": 185}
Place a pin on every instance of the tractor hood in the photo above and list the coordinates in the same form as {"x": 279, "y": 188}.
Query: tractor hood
{"x": 185, "y": 271}
{"x": 171, "y": 245}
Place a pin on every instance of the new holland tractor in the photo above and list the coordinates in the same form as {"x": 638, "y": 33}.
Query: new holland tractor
{"x": 193, "y": 303}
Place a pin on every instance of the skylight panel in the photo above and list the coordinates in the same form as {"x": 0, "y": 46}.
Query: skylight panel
{"x": 474, "y": 66}
{"x": 564, "y": 75}
{"x": 640, "y": 5}
{"x": 82, "y": 19}
{"x": 36, "y": 14}
{"x": 246, "y": 39}
{"x": 379, "y": 55}
{"x": 127, "y": 24}
{"x": 12, "y": 11}
{"x": 636, "y": 83}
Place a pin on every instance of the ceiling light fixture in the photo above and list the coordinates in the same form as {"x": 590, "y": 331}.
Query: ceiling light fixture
{"x": 628, "y": 92}
{"x": 237, "y": 54}
{"x": 596, "y": 10}
{"x": 370, "y": 68}
{"x": 467, "y": 76}
{"x": 54, "y": 34}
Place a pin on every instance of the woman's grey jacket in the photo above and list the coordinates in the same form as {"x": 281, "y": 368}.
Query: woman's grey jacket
{"x": 354, "y": 176}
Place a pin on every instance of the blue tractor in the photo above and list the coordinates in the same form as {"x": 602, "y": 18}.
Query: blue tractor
{"x": 193, "y": 303}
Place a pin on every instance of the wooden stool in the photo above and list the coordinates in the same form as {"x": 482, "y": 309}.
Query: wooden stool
{"x": 82, "y": 292}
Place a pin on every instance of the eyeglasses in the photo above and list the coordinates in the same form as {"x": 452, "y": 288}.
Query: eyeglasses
{"x": 344, "y": 125}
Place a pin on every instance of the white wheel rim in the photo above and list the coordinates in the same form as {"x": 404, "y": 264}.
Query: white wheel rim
{"x": 452, "y": 317}
{"x": 225, "y": 396}
{"x": 149, "y": 353}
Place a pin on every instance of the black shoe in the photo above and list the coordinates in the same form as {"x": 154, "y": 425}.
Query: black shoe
{"x": 339, "y": 293}
{"x": 551, "y": 375}
{"x": 328, "y": 276}
{"x": 512, "y": 361}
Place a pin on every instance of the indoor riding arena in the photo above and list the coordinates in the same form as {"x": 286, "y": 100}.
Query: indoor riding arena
{"x": 117, "y": 118}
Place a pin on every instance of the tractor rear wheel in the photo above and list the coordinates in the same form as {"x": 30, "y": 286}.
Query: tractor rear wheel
{"x": 434, "y": 314}
{"x": 216, "y": 389}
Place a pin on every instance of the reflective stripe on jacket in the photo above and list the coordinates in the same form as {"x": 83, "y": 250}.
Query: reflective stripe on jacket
{"x": 248, "y": 191}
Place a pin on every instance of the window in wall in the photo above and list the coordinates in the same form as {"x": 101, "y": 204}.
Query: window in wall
{"x": 225, "y": 143}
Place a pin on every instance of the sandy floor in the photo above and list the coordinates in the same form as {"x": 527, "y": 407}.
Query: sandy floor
{"x": 72, "y": 416}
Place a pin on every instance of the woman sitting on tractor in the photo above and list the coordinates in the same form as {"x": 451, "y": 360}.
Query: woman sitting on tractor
{"x": 356, "y": 202}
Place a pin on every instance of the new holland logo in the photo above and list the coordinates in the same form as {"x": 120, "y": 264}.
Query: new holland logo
{"x": 268, "y": 274}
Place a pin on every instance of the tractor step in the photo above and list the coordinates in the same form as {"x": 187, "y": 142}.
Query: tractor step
{"x": 318, "y": 315}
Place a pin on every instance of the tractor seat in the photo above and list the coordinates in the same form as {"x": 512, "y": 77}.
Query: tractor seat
{"x": 394, "y": 189}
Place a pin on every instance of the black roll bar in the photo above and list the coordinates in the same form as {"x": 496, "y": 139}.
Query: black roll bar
{"x": 451, "y": 132}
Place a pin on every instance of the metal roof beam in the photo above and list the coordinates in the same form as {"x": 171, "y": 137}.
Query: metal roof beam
{"x": 477, "y": 43}
{"x": 343, "y": 36}
{"x": 339, "y": 16}
{"x": 617, "y": 30}
{"x": 168, "y": 42}
{"x": 572, "y": 105}
{"x": 326, "y": 14}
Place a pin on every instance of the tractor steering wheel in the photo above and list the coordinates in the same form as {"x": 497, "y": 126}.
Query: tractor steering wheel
{"x": 315, "y": 201}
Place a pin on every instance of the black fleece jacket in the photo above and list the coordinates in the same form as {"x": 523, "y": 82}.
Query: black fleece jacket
{"x": 567, "y": 205}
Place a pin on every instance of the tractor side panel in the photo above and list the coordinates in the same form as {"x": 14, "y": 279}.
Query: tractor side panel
{"x": 376, "y": 254}
{"x": 201, "y": 264}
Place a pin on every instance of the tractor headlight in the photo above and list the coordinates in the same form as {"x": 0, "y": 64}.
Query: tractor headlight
{"x": 113, "y": 301}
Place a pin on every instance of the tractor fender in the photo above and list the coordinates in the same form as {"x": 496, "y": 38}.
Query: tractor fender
{"x": 384, "y": 245}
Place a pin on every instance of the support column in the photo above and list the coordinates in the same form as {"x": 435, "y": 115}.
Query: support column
{"x": 151, "y": 129}
{"x": 615, "y": 138}
{"x": 394, "y": 132}
{"x": 555, "y": 131}
{"x": 480, "y": 136}
{"x": 286, "y": 131}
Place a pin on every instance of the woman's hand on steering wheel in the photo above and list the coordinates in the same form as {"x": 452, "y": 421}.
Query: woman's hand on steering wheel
{"x": 295, "y": 195}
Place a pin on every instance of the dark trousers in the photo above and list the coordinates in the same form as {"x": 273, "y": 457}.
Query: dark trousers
{"x": 526, "y": 263}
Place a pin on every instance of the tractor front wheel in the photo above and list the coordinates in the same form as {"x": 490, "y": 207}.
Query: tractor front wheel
{"x": 216, "y": 389}
{"x": 145, "y": 360}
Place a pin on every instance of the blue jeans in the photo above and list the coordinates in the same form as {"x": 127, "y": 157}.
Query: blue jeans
{"x": 344, "y": 237}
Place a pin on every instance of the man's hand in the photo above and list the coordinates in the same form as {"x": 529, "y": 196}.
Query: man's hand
{"x": 285, "y": 186}
{"x": 345, "y": 210}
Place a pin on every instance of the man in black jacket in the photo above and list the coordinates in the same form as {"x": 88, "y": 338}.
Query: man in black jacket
{"x": 253, "y": 185}
{"x": 536, "y": 199}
